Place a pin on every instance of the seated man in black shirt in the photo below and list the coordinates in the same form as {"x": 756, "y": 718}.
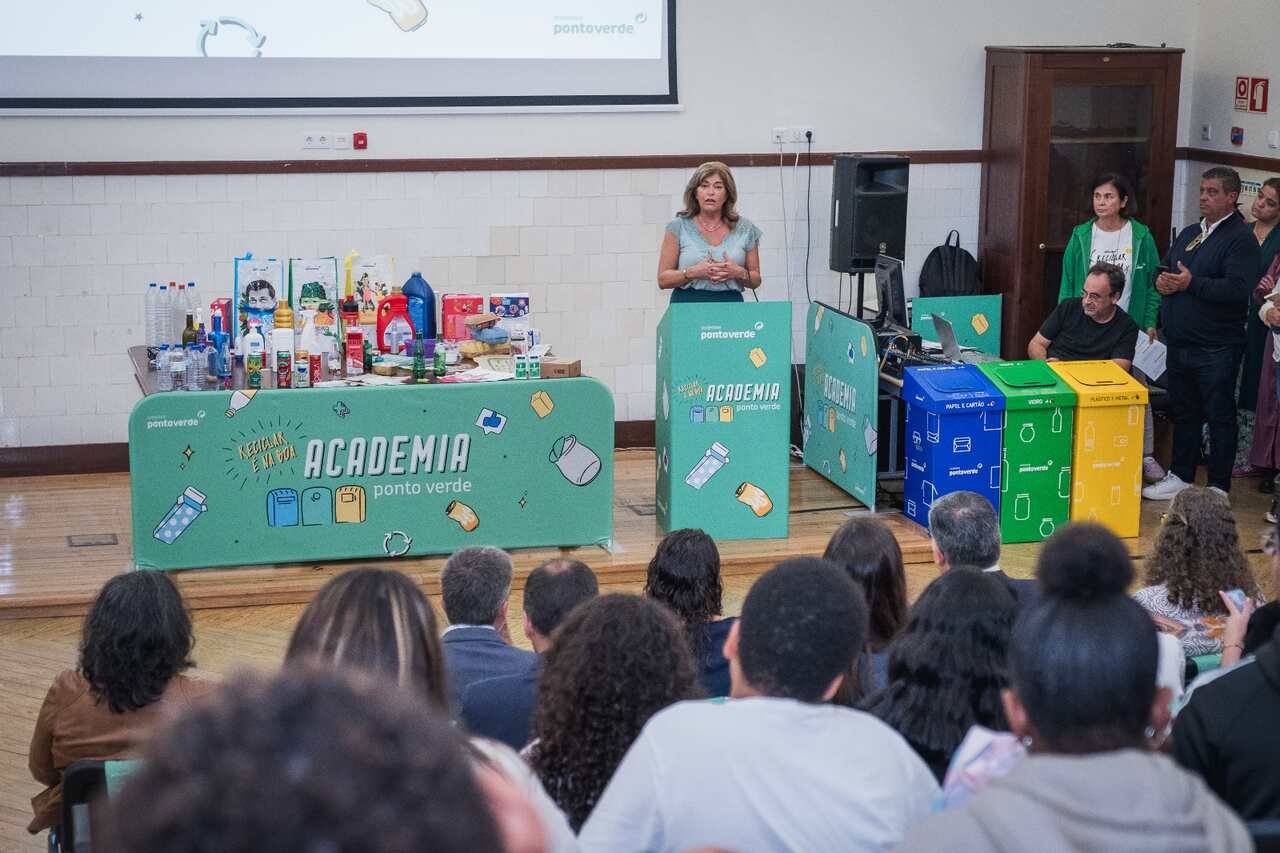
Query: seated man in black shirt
{"x": 1090, "y": 327}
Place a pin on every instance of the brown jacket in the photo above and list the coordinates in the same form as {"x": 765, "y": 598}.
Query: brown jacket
{"x": 74, "y": 724}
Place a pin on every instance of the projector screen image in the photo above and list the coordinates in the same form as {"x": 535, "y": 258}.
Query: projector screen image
{"x": 294, "y": 53}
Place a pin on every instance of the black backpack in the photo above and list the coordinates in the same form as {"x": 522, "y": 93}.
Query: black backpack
{"x": 950, "y": 271}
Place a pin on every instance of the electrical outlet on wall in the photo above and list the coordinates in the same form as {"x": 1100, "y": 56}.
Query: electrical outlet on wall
{"x": 315, "y": 139}
{"x": 792, "y": 134}
{"x": 1206, "y": 132}
{"x": 342, "y": 141}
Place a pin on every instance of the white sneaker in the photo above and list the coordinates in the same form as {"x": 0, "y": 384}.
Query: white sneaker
{"x": 1166, "y": 489}
{"x": 1151, "y": 470}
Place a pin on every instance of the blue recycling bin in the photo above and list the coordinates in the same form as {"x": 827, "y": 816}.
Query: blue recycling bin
{"x": 954, "y": 418}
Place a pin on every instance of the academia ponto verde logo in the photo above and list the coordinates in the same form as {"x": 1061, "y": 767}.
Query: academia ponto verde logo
{"x": 578, "y": 25}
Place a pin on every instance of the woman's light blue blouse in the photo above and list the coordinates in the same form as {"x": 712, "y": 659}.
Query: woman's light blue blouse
{"x": 693, "y": 248}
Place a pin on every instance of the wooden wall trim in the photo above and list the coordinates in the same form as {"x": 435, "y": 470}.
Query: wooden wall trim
{"x": 444, "y": 164}
{"x": 114, "y": 458}
{"x": 64, "y": 459}
{"x": 1230, "y": 158}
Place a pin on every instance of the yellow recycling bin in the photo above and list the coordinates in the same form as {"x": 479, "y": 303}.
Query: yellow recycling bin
{"x": 1106, "y": 468}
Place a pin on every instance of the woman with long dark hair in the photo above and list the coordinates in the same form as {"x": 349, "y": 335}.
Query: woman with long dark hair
{"x": 947, "y": 667}
{"x": 1083, "y": 700}
{"x": 616, "y": 661}
{"x": 1196, "y": 556}
{"x": 135, "y": 644}
{"x": 867, "y": 549}
{"x": 710, "y": 252}
{"x": 684, "y": 574}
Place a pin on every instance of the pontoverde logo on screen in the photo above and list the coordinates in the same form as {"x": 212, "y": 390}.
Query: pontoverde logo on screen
{"x": 576, "y": 25}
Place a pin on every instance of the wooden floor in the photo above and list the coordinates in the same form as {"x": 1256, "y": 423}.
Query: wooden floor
{"x": 39, "y": 569}
{"x": 42, "y": 573}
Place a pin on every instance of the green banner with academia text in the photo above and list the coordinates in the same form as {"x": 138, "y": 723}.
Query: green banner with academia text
{"x": 723, "y": 418}
{"x": 841, "y": 390}
{"x": 228, "y": 478}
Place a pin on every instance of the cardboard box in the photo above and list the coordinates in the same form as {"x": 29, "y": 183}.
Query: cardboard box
{"x": 454, "y": 310}
{"x": 558, "y": 367}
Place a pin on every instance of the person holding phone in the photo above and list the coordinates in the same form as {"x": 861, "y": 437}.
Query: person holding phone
{"x": 709, "y": 252}
{"x": 1213, "y": 268}
{"x": 1258, "y": 384}
{"x": 1113, "y": 236}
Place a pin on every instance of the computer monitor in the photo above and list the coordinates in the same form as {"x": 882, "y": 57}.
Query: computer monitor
{"x": 889, "y": 292}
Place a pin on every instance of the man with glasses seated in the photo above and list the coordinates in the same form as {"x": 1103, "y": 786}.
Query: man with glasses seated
{"x": 1092, "y": 326}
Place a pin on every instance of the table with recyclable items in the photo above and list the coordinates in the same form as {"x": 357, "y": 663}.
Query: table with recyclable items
{"x": 238, "y": 477}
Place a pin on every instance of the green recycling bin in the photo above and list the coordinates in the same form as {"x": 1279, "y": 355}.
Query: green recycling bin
{"x": 1035, "y": 463}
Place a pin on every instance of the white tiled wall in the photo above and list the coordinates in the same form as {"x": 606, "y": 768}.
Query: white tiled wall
{"x": 77, "y": 253}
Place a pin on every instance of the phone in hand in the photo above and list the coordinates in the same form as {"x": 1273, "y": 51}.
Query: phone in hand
{"x": 1161, "y": 268}
{"x": 1238, "y": 598}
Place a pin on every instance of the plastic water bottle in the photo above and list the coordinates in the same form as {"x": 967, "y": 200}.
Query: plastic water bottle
{"x": 178, "y": 366}
{"x": 179, "y": 294}
{"x": 195, "y": 368}
{"x": 164, "y": 316}
{"x": 151, "y": 336}
{"x": 164, "y": 378}
{"x": 193, "y": 304}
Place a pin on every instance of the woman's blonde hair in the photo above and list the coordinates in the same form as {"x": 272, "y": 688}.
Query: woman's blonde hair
{"x": 1197, "y": 552}
{"x": 374, "y": 620}
{"x": 713, "y": 169}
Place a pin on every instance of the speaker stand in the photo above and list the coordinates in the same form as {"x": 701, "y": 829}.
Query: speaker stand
{"x": 861, "y": 294}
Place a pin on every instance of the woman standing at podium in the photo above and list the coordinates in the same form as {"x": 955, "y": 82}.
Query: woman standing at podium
{"x": 709, "y": 253}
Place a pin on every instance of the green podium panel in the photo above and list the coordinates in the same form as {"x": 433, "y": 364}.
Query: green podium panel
{"x": 841, "y": 389}
{"x": 226, "y": 478}
{"x": 723, "y": 419}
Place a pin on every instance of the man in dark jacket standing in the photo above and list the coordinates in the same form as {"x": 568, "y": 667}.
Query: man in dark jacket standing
{"x": 1212, "y": 267}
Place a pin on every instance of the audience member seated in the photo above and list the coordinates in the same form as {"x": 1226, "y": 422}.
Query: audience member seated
{"x": 616, "y": 661}
{"x": 1090, "y": 327}
{"x": 1084, "y": 701}
{"x": 475, "y": 585}
{"x": 1259, "y": 625}
{"x": 313, "y": 760}
{"x": 776, "y": 767}
{"x": 947, "y": 667}
{"x": 1196, "y": 555}
{"x": 135, "y": 645}
{"x": 502, "y": 708}
{"x": 684, "y": 574}
{"x": 868, "y": 551}
{"x": 966, "y": 532}
{"x": 378, "y": 621}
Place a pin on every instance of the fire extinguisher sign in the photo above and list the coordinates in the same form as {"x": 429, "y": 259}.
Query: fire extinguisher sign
{"x": 1252, "y": 94}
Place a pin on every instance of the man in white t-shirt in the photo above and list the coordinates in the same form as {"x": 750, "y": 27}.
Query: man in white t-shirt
{"x": 774, "y": 767}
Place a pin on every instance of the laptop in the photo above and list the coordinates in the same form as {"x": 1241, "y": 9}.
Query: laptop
{"x": 951, "y": 347}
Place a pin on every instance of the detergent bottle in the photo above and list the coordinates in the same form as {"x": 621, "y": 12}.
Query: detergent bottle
{"x": 282, "y": 334}
{"x": 395, "y": 332}
{"x": 422, "y": 305}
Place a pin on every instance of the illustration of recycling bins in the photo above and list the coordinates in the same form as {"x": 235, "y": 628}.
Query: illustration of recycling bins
{"x": 1035, "y": 461}
{"x": 1106, "y": 472}
{"x": 722, "y": 416}
{"x": 953, "y": 436}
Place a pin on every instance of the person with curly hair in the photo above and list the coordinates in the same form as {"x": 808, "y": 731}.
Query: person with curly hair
{"x": 379, "y": 622}
{"x": 615, "y": 662}
{"x": 684, "y": 574}
{"x": 135, "y": 644}
{"x": 867, "y": 550}
{"x": 947, "y": 667}
{"x": 777, "y": 766}
{"x": 1196, "y": 557}
{"x": 309, "y": 759}
{"x": 1083, "y": 701}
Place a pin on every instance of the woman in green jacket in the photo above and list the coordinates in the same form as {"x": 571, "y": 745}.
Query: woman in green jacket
{"x": 1113, "y": 236}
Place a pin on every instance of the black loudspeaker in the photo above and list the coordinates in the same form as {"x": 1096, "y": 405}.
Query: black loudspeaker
{"x": 868, "y": 210}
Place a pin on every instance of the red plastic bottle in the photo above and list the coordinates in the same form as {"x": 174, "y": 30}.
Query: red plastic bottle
{"x": 393, "y": 307}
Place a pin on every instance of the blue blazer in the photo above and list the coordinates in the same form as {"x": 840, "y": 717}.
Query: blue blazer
{"x": 502, "y": 708}
{"x": 474, "y": 653}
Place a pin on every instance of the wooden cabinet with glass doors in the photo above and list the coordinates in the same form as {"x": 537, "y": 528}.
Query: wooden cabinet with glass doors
{"x": 1055, "y": 118}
